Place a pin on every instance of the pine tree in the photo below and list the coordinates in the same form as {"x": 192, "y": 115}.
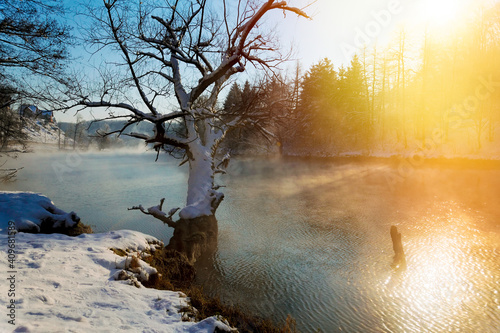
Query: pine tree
{"x": 354, "y": 96}
{"x": 233, "y": 99}
{"x": 317, "y": 107}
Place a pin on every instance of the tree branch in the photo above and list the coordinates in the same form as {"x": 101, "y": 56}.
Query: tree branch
{"x": 156, "y": 212}
{"x": 124, "y": 50}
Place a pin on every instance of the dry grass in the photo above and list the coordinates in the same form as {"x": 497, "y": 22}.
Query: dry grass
{"x": 46, "y": 227}
{"x": 119, "y": 252}
{"x": 134, "y": 262}
{"x": 245, "y": 323}
{"x": 176, "y": 273}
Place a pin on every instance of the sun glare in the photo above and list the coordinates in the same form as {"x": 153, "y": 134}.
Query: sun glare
{"x": 441, "y": 12}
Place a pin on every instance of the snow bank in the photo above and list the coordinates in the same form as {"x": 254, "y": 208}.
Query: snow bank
{"x": 67, "y": 284}
{"x": 29, "y": 210}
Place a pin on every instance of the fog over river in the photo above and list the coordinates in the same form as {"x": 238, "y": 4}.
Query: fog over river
{"x": 311, "y": 238}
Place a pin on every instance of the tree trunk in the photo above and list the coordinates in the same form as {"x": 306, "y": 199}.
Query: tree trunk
{"x": 202, "y": 199}
{"x": 399, "y": 254}
{"x": 195, "y": 237}
{"x": 74, "y": 136}
{"x": 195, "y": 234}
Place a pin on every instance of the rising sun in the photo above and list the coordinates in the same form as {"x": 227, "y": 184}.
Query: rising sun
{"x": 442, "y": 12}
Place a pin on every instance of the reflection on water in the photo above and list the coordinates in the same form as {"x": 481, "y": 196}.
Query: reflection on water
{"x": 312, "y": 238}
{"x": 453, "y": 277}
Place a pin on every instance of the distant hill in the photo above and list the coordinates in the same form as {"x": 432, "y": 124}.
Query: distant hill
{"x": 61, "y": 135}
{"x": 89, "y": 128}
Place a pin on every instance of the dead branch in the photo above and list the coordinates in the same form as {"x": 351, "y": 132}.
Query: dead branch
{"x": 156, "y": 212}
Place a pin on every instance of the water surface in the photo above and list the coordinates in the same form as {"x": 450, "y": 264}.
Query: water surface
{"x": 311, "y": 238}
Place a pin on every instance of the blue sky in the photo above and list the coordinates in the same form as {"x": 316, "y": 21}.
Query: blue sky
{"x": 337, "y": 30}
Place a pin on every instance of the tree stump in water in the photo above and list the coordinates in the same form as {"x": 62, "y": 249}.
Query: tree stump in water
{"x": 195, "y": 237}
{"x": 399, "y": 254}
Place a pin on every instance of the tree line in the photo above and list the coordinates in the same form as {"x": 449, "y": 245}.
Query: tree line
{"x": 434, "y": 90}
{"x": 174, "y": 61}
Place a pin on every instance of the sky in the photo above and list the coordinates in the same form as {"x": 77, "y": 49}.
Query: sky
{"x": 339, "y": 29}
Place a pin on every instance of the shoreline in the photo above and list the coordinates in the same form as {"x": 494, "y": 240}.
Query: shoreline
{"x": 399, "y": 159}
{"x": 39, "y": 247}
{"x": 451, "y": 162}
{"x": 417, "y": 161}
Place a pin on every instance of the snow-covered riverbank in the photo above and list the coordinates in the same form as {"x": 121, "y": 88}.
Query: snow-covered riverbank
{"x": 58, "y": 283}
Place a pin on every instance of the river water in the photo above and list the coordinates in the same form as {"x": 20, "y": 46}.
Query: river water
{"x": 311, "y": 238}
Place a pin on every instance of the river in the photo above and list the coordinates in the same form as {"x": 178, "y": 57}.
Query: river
{"x": 311, "y": 238}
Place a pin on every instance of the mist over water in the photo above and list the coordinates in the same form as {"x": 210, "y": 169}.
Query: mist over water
{"x": 100, "y": 187}
{"x": 311, "y": 238}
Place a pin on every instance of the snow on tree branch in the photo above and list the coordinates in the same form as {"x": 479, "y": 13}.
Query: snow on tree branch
{"x": 181, "y": 51}
{"x": 158, "y": 213}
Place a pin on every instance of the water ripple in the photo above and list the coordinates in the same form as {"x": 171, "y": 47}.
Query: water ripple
{"x": 317, "y": 257}
{"x": 311, "y": 238}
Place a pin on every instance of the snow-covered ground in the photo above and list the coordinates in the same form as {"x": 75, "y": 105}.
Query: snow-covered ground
{"x": 39, "y": 131}
{"x": 57, "y": 283}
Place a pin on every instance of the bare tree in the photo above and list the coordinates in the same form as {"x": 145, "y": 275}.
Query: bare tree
{"x": 399, "y": 54}
{"x": 33, "y": 44}
{"x": 33, "y": 53}
{"x": 11, "y": 132}
{"x": 10, "y": 124}
{"x": 103, "y": 140}
{"x": 190, "y": 50}
{"x": 78, "y": 131}
{"x": 422, "y": 118}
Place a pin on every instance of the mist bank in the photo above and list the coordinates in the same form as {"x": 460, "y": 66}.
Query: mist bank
{"x": 85, "y": 136}
{"x": 413, "y": 159}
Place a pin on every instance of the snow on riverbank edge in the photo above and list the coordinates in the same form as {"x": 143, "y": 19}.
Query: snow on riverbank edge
{"x": 27, "y": 211}
{"x": 58, "y": 283}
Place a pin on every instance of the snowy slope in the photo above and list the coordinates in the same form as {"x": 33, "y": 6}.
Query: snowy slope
{"x": 40, "y": 132}
{"x": 56, "y": 283}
